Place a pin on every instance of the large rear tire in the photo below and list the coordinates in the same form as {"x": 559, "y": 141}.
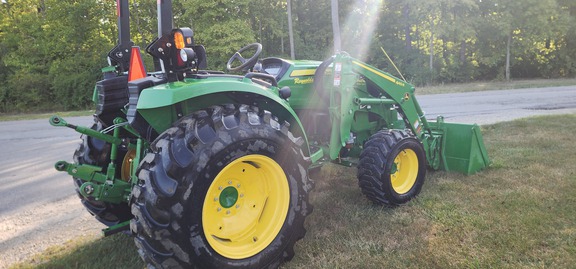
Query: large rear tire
{"x": 97, "y": 152}
{"x": 226, "y": 187}
{"x": 392, "y": 167}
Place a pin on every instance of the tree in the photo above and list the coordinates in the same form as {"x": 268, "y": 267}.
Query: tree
{"x": 54, "y": 49}
{"x": 22, "y": 58}
{"x": 359, "y": 41}
{"x": 565, "y": 54}
{"x": 523, "y": 28}
{"x": 312, "y": 29}
{"x": 77, "y": 53}
{"x": 268, "y": 19}
{"x": 222, "y": 26}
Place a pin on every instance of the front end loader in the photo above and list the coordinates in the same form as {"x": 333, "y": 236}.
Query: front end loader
{"x": 211, "y": 170}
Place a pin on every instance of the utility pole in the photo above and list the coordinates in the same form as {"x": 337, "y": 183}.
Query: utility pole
{"x": 290, "y": 32}
{"x": 336, "y": 27}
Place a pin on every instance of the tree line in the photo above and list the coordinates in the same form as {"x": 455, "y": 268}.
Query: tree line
{"x": 51, "y": 51}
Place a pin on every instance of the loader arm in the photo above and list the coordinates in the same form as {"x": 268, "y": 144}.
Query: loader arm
{"x": 393, "y": 92}
{"x": 401, "y": 93}
{"x": 448, "y": 146}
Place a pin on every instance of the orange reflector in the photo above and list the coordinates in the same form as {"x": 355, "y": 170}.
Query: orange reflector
{"x": 179, "y": 40}
{"x": 137, "y": 69}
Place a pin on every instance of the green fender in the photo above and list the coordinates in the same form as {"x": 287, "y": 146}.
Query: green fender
{"x": 164, "y": 104}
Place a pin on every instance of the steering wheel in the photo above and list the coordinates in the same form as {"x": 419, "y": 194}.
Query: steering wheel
{"x": 243, "y": 61}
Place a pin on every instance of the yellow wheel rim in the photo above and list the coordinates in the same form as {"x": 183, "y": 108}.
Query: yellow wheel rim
{"x": 245, "y": 206}
{"x": 404, "y": 171}
{"x": 126, "y": 170}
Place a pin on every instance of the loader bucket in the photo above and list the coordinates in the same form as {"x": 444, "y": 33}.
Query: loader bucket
{"x": 463, "y": 148}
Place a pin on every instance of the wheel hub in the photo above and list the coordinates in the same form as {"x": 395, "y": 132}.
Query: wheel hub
{"x": 404, "y": 171}
{"x": 228, "y": 197}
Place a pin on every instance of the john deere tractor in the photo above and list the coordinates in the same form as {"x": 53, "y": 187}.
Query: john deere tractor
{"x": 211, "y": 170}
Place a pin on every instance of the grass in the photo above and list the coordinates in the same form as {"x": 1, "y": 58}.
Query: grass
{"x": 519, "y": 213}
{"x": 87, "y": 252}
{"x": 33, "y": 116}
{"x": 494, "y": 85}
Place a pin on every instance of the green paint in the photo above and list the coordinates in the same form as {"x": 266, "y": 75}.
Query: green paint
{"x": 463, "y": 147}
{"x": 98, "y": 185}
{"x": 360, "y": 100}
{"x": 228, "y": 197}
{"x": 394, "y": 168}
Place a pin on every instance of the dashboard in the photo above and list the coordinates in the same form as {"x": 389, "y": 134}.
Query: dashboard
{"x": 275, "y": 66}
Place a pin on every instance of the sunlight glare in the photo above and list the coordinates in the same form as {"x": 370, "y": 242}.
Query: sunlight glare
{"x": 359, "y": 27}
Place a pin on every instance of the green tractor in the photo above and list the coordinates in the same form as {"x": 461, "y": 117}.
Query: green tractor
{"x": 211, "y": 170}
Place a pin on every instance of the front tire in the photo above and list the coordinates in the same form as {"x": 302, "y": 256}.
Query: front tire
{"x": 392, "y": 167}
{"x": 226, "y": 187}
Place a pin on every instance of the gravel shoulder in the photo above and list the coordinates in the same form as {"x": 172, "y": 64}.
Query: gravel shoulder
{"x": 38, "y": 205}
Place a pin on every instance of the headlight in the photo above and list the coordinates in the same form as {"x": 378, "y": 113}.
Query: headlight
{"x": 187, "y": 54}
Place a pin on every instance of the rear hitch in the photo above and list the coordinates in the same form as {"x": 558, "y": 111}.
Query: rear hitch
{"x": 101, "y": 183}
{"x": 97, "y": 185}
{"x": 61, "y": 166}
{"x": 60, "y": 122}
{"x": 77, "y": 170}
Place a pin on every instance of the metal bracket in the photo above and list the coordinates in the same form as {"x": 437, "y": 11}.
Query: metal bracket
{"x": 120, "y": 227}
{"x": 97, "y": 185}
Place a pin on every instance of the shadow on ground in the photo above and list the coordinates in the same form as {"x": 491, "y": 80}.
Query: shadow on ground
{"x": 116, "y": 251}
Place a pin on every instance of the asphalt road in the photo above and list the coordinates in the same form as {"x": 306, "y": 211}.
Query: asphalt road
{"x": 38, "y": 205}
{"x": 39, "y": 208}
{"x": 488, "y": 107}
